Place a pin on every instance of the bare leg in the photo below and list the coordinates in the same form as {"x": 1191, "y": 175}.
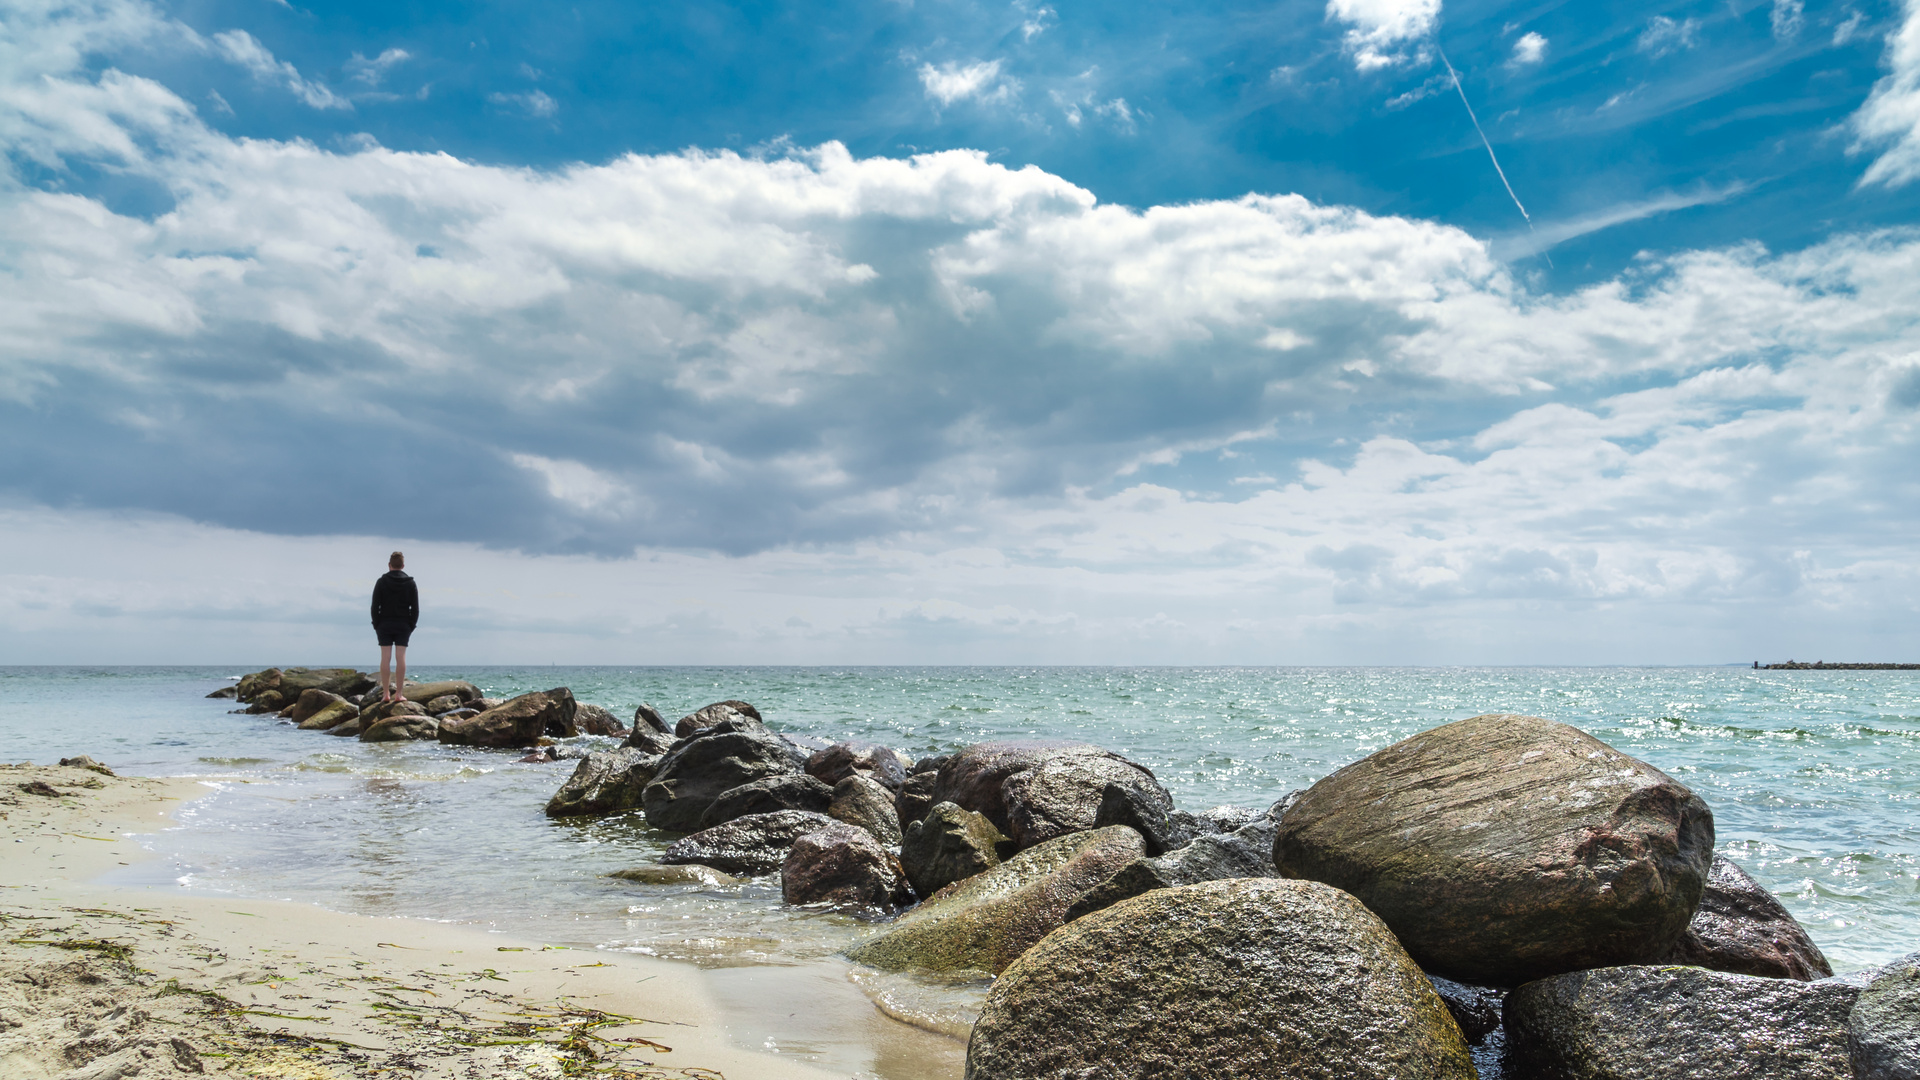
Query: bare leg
{"x": 400, "y": 675}
{"x": 386, "y": 658}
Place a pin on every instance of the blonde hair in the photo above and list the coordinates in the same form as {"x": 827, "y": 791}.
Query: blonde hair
{"x": 396, "y": 561}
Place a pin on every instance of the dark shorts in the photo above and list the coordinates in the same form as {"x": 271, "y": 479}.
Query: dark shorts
{"x": 393, "y": 633}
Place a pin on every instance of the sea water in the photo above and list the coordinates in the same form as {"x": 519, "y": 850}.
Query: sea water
{"x": 1811, "y": 776}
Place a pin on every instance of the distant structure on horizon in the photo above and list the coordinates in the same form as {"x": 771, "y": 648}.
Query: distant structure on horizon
{"x": 1822, "y": 665}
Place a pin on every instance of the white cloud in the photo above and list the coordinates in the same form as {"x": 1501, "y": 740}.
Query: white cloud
{"x": 1788, "y": 18}
{"x": 1664, "y": 35}
{"x": 1890, "y": 118}
{"x": 1035, "y": 21}
{"x": 241, "y": 48}
{"x": 533, "y": 102}
{"x": 1848, "y": 28}
{"x": 1529, "y": 49}
{"x": 578, "y": 486}
{"x": 373, "y": 72}
{"x": 1379, "y": 30}
{"x": 953, "y": 81}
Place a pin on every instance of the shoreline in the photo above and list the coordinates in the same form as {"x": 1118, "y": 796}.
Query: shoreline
{"x": 278, "y": 988}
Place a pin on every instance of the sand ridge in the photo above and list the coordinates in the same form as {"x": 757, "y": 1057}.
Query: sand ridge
{"x": 99, "y": 983}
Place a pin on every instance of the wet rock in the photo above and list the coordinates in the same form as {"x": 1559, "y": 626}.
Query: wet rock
{"x": 645, "y": 738}
{"x": 1475, "y": 1008}
{"x": 518, "y": 722}
{"x": 348, "y": 728}
{"x": 1740, "y": 927}
{"x": 445, "y": 703}
{"x": 835, "y": 763}
{"x": 330, "y": 717}
{"x": 468, "y": 693}
{"x": 226, "y": 692}
{"x": 465, "y": 713}
{"x": 399, "y": 727}
{"x": 746, "y": 846}
{"x": 1236, "y": 980}
{"x": 984, "y": 922}
{"x": 787, "y": 792}
{"x": 311, "y": 702}
{"x": 689, "y": 874}
{"x": 1507, "y": 848}
{"x": 701, "y": 719}
{"x": 699, "y": 770}
{"x": 87, "y": 763}
{"x": 949, "y": 845}
{"x": 1686, "y": 1023}
{"x": 253, "y": 684}
{"x": 1035, "y": 791}
{"x": 859, "y": 799}
{"x": 266, "y": 701}
{"x": 1243, "y": 854}
{"x": 843, "y": 865}
{"x": 1136, "y": 808}
{"x": 1883, "y": 1028}
{"x": 342, "y": 681}
{"x": 649, "y": 718}
{"x": 605, "y": 782}
{"x": 915, "y": 797}
{"x": 594, "y": 720}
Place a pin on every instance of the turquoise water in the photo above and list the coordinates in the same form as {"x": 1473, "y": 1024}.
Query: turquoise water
{"x": 1811, "y": 776}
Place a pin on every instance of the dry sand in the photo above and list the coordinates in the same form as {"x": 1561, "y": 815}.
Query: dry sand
{"x": 98, "y": 983}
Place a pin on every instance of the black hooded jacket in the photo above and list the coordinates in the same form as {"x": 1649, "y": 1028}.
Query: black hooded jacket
{"x": 396, "y": 600}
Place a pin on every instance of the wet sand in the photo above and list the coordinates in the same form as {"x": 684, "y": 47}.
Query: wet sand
{"x": 100, "y": 982}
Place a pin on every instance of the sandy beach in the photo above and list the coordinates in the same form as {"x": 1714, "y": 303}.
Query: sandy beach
{"x": 98, "y": 983}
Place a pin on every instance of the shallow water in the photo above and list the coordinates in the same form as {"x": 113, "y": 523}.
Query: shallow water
{"x": 1810, "y": 776}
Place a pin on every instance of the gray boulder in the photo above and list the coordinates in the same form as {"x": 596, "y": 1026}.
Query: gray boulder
{"x": 1247, "y": 853}
{"x": 648, "y": 717}
{"x": 984, "y": 922}
{"x": 1508, "y": 848}
{"x": 605, "y": 782}
{"x": 1678, "y": 1023}
{"x": 521, "y": 721}
{"x": 698, "y": 771}
{"x": 950, "y": 844}
{"x": 1740, "y": 927}
{"x": 746, "y": 846}
{"x": 793, "y": 791}
{"x": 859, "y": 799}
{"x": 1036, "y": 791}
{"x": 1246, "y": 979}
{"x": 1883, "y": 1029}
{"x": 915, "y": 797}
{"x": 835, "y": 763}
{"x": 844, "y": 866}
{"x": 701, "y": 719}
{"x": 594, "y": 720}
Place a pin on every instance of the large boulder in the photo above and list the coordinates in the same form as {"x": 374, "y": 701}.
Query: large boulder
{"x": 605, "y": 782}
{"x": 400, "y": 726}
{"x": 1688, "y": 1023}
{"x": 266, "y": 701}
{"x": 1247, "y": 853}
{"x": 701, "y": 719}
{"x": 335, "y": 713}
{"x": 950, "y": 844}
{"x": 519, "y": 722}
{"x": 1135, "y": 807}
{"x": 699, "y": 770}
{"x": 1230, "y": 980}
{"x": 1740, "y": 927}
{"x": 1508, "y": 848}
{"x": 790, "y": 791}
{"x": 835, "y": 763}
{"x": 342, "y": 681}
{"x": 594, "y": 720}
{"x": 1884, "y": 1026}
{"x": 748, "y": 845}
{"x": 253, "y": 684}
{"x": 984, "y": 922}
{"x": 1036, "y": 791}
{"x": 427, "y": 691}
{"x": 309, "y": 702}
{"x": 844, "y": 866}
{"x": 859, "y": 799}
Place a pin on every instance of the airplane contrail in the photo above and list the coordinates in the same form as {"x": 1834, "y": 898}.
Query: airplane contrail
{"x": 1484, "y": 141}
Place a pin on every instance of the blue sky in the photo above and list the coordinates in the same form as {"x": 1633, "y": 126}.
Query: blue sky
{"x": 961, "y": 332}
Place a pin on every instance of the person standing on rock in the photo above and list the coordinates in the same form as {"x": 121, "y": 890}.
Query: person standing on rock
{"x": 396, "y": 611}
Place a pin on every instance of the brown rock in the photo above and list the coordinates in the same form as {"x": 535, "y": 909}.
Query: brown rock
{"x": 400, "y": 726}
{"x": 843, "y": 865}
{"x": 915, "y": 797}
{"x": 949, "y": 845}
{"x": 713, "y": 714}
{"x": 312, "y": 701}
{"x": 330, "y": 717}
{"x": 1507, "y": 848}
{"x": 516, "y": 723}
{"x": 836, "y": 762}
{"x": 594, "y": 720}
{"x": 859, "y": 799}
{"x": 1740, "y": 927}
